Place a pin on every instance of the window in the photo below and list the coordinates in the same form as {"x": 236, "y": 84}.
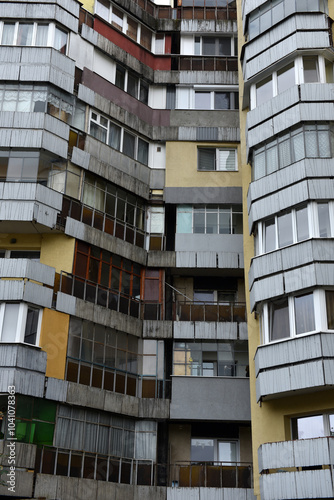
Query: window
{"x": 306, "y": 141}
{"x": 118, "y": 138}
{"x": 289, "y": 316}
{"x": 217, "y": 159}
{"x": 159, "y": 46}
{"x": 33, "y": 34}
{"x": 284, "y": 229}
{"x": 205, "y": 99}
{"x": 306, "y": 69}
{"x": 131, "y": 84}
{"x": 274, "y": 11}
{"x": 313, "y": 426}
{"x": 209, "y": 219}
{"x": 214, "y": 450}
{"x": 21, "y": 254}
{"x": 20, "y": 322}
{"x": 210, "y": 359}
{"x": 215, "y": 46}
{"x": 123, "y": 22}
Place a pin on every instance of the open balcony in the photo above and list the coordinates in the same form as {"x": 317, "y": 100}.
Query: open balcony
{"x": 297, "y": 469}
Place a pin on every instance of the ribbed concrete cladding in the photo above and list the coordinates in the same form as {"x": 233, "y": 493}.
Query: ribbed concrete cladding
{"x": 222, "y": 330}
{"x": 312, "y": 453}
{"x": 24, "y": 268}
{"x": 299, "y": 364}
{"x": 37, "y": 64}
{"x": 290, "y": 196}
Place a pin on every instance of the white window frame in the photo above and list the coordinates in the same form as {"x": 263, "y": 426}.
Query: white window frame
{"x": 123, "y": 130}
{"x": 216, "y": 441}
{"x": 319, "y": 310}
{"x": 126, "y": 78}
{"x": 216, "y": 161}
{"x": 299, "y": 77}
{"x": 18, "y": 336}
{"x": 51, "y": 32}
{"x": 213, "y": 91}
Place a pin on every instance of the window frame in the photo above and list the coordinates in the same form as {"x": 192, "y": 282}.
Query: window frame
{"x": 199, "y": 45}
{"x": 51, "y": 37}
{"x": 20, "y": 328}
{"x": 221, "y": 210}
{"x": 233, "y": 98}
{"x": 96, "y": 117}
{"x": 141, "y": 84}
{"x": 216, "y": 160}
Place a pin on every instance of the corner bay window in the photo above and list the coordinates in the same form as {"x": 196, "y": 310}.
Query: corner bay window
{"x": 33, "y": 34}
{"x": 210, "y": 159}
{"x": 306, "y": 141}
{"x": 209, "y": 219}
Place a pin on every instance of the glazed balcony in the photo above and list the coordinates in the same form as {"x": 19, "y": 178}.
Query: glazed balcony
{"x": 301, "y": 364}
{"x": 204, "y": 63}
{"x": 297, "y": 469}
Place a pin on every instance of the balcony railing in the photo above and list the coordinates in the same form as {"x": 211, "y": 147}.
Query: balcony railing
{"x": 204, "y": 63}
{"x": 109, "y": 297}
{"x": 210, "y": 311}
{"x": 72, "y": 463}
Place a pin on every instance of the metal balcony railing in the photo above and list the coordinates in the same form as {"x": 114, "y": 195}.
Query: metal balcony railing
{"x": 74, "y": 463}
{"x": 210, "y": 311}
{"x": 109, "y": 297}
{"x": 204, "y": 63}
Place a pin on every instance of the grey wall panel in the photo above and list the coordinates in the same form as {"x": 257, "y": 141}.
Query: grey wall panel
{"x": 209, "y": 242}
{"x": 227, "y": 398}
{"x": 229, "y": 260}
{"x": 205, "y": 330}
{"x": 62, "y": 79}
{"x": 56, "y": 389}
{"x": 183, "y": 259}
{"x": 205, "y": 77}
{"x": 316, "y": 91}
{"x": 11, "y": 290}
{"x": 49, "y": 197}
{"x": 57, "y": 127}
{"x": 23, "y": 356}
{"x": 157, "y": 329}
{"x": 96, "y": 237}
{"x": 85, "y": 94}
{"x": 329, "y": 371}
{"x": 267, "y": 288}
{"x": 45, "y": 215}
{"x": 201, "y": 25}
{"x": 66, "y": 303}
{"x": 266, "y": 264}
{"x": 183, "y": 330}
{"x": 24, "y": 268}
{"x": 212, "y": 194}
{"x": 206, "y": 259}
{"x": 25, "y": 382}
{"x": 36, "y": 294}
{"x": 80, "y": 158}
{"x": 243, "y": 331}
{"x": 313, "y": 483}
{"x": 89, "y": 34}
{"x": 228, "y": 331}
{"x": 19, "y": 191}
{"x": 26, "y": 138}
{"x": 5, "y": 136}
{"x": 16, "y": 210}
{"x": 54, "y": 144}
{"x": 26, "y": 120}
{"x": 276, "y": 455}
{"x": 9, "y": 71}
{"x": 157, "y": 178}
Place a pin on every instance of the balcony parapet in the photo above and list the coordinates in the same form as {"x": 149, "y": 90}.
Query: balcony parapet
{"x": 27, "y": 269}
{"x": 302, "y": 364}
{"x": 286, "y": 463}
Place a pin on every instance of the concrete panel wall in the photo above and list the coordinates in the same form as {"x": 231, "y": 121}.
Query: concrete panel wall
{"x": 298, "y": 485}
{"x": 209, "y": 243}
{"x": 227, "y": 398}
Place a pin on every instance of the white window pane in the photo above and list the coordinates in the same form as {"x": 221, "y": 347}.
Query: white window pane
{"x": 212, "y": 222}
{"x": 302, "y": 224}
{"x": 279, "y": 320}
{"x": 202, "y": 100}
{"x": 265, "y": 21}
{"x": 324, "y": 222}
{"x": 310, "y": 427}
{"x": 224, "y": 46}
{"x": 264, "y": 91}
{"x": 324, "y": 145}
{"x": 60, "y": 41}
{"x": 272, "y": 159}
{"x": 24, "y": 102}
{"x": 30, "y": 334}
{"x": 184, "y": 219}
{"x": 42, "y": 34}
{"x": 159, "y": 44}
{"x": 129, "y": 144}
{"x": 10, "y": 323}
{"x": 304, "y": 313}
{"x": 227, "y": 159}
{"x": 331, "y": 425}
{"x": 259, "y": 166}
{"x": 284, "y": 152}
{"x": 98, "y": 132}
{"x": 269, "y": 235}
{"x": 285, "y": 230}
{"x": 206, "y": 159}
{"x": 132, "y": 85}
{"x": 311, "y": 72}
{"x": 254, "y": 28}
{"x": 199, "y": 221}
{"x": 117, "y": 18}
{"x": 208, "y": 46}
{"x": 102, "y": 8}
{"x": 24, "y": 36}
{"x": 298, "y": 146}
{"x": 114, "y": 136}
{"x": 225, "y": 226}
{"x": 142, "y": 151}
{"x": 9, "y": 100}
{"x": 202, "y": 450}
{"x": 222, "y": 100}
{"x": 227, "y": 452}
{"x": 285, "y": 78}
{"x": 8, "y": 34}
{"x": 311, "y": 142}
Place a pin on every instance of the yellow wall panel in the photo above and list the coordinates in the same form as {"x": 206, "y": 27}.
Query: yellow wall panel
{"x": 53, "y": 340}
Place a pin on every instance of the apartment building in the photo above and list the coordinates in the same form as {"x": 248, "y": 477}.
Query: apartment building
{"x": 124, "y": 352}
{"x": 286, "y": 84}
